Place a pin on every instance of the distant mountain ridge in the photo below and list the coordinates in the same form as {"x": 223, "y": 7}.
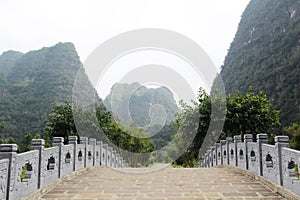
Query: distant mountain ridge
{"x": 141, "y": 104}
{"x": 8, "y": 60}
{"x": 31, "y": 83}
{"x": 265, "y": 53}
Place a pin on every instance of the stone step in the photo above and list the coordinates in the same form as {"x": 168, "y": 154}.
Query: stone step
{"x": 161, "y": 182}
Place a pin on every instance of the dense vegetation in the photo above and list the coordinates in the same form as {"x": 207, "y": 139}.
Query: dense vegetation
{"x": 36, "y": 90}
{"x": 293, "y": 132}
{"x": 31, "y": 84}
{"x": 62, "y": 124}
{"x": 249, "y": 113}
{"x": 266, "y": 54}
{"x": 8, "y": 60}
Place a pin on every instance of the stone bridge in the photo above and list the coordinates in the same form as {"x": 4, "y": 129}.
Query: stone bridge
{"x": 93, "y": 170}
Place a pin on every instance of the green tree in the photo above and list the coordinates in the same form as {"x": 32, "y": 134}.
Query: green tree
{"x": 60, "y": 123}
{"x": 294, "y": 133}
{"x": 26, "y": 142}
{"x": 250, "y": 113}
{"x": 195, "y": 120}
{"x": 10, "y": 140}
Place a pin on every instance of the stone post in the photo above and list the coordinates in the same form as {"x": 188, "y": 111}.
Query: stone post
{"x": 212, "y": 148}
{"x": 222, "y": 143}
{"x": 84, "y": 140}
{"x": 122, "y": 162}
{"x": 59, "y": 142}
{"x": 207, "y": 159}
{"x": 92, "y": 141}
{"x": 237, "y": 139}
{"x": 280, "y": 141}
{"x": 105, "y": 147}
{"x": 99, "y": 143}
{"x": 212, "y": 155}
{"x": 216, "y": 151}
{"x": 114, "y": 160}
{"x": 110, "y": 152}
{"x": 228, "y": 142}
{"x": 9, "y": 151}
{"x": 262, "y": 138}
{"x": 247, "y": 138}
{"x": 118, "y": 160}
{"x": 39, "y": 144}
{"x": 73, "y": 140}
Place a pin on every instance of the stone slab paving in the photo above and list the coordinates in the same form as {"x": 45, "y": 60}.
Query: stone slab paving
{"x": 163, "y": 184}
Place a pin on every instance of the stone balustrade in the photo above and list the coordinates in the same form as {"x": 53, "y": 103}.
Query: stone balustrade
{"x": 278, "y": 162}
{"x": 22, "y": 174}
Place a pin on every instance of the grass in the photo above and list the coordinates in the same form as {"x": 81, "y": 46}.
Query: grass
{"x": 22, "y": 176}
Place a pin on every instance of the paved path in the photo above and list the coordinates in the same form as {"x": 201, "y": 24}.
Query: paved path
{"x": 164, "y": 184}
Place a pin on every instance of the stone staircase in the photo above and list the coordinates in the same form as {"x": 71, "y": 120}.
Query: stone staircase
{"x": 161, "y": 182}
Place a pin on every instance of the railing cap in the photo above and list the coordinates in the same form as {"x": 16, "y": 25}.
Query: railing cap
{"x": 223, "y": 142}
{"x": 262, "y": 136}
{"x": 8, "y": 148}
{"x": 282, "y": 139}
{"x": 37, "y": 142}
{"x": 105, "y": 145}
{"x": 248, "y": 136}
{"x": 58, "y": 139}
{"x": 92, "y": 141}
{"x": 237, "y": 138}
{"x": 84, "y": 138}
{"x": 72, "y": 138}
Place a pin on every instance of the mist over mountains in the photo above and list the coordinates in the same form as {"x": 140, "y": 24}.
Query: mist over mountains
{"x": 147, "y": 107}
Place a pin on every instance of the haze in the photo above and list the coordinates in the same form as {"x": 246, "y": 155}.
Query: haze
{"x": 32, "y": 24}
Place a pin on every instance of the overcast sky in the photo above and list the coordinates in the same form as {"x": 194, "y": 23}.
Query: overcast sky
{"x": 33, "y": 24}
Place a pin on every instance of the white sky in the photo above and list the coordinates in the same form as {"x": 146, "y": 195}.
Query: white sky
{"x": 33, "y": 24}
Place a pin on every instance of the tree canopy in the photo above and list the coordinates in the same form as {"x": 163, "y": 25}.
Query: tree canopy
{"x": 250, "y": 113}
{"x": 293, "y": 132}
{"x": 61, "y": 123}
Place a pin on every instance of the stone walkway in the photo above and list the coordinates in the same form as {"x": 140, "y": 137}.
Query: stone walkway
{"x": 164, "y": 184}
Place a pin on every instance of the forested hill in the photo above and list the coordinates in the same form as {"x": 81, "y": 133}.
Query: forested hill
{"x": 138, "y": 100}
{"x": 31, "y": 83}
{"x": 265, "y": 54}
{"x": 8, "y": 60}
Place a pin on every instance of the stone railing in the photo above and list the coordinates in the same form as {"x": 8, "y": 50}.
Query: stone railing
{"x": 22, "y": 174}
{"x": 278, "y": 163}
